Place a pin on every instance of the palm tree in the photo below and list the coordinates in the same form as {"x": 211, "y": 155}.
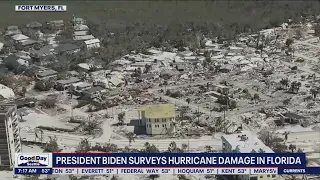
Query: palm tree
{"x": 314, "y": 93}
{"x": 292, "y": 147}
{"x": 184, "y": 147}
{"x": 208, "y": 148}
{"x": 154, "y": 176}
{"x": 36, "y": 136}
{"x": 131, "y": 137}
{"x": 188, "y": 100}
{"x": 300, "y": 150}
{"x": 284, "y": 82}
{"x": 172, "y": 147}
{"x": 121, "y": 118}
{"x": 150, "y": 148}
{"x": 256, "y": 97}
{"x": 41, "y": 135}
{"x": 114, "y": 177}
{"x": 183, "y": 112}
{"x": 182, "y": 177}
{"x": 286, "y": 133}
{"x": 84, "y": 146}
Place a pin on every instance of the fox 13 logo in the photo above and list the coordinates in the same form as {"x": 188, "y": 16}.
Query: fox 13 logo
{"x": 32, "y": 160}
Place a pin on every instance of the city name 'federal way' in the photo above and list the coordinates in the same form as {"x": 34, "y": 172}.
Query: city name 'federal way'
{"x": 75, "y": 160}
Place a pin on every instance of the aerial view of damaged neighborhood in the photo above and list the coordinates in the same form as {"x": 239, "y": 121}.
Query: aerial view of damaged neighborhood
{"x": 160, "y": 76}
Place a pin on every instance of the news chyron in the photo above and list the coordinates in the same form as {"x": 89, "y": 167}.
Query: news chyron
{"x": 40, "y": 8}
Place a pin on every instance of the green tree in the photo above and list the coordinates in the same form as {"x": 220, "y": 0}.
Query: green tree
{"x": 233, "y": 104}
{"x": 52, "y": 145}
{"x": 44, "y": 85}
{"x": 295, "y": 86}
{"x": 84, "y": 146}
{"x": 182, "y": 177}
{"x": 292, "y": 147}
{"x": 148, "y": 148}
{"x": 48, "y": 103}
{"x": 121, "y": 118}
{"x": 256, "y": 97}
{"x": 208, "y": 148}
{"x": 131, "y": 137}
{"x": 284, "y": 82}
{"x": 286, "y": 133}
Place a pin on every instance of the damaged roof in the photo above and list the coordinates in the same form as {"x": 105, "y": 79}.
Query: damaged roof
{"x": 159, "y": 111}
{"x": 65, "y": 47}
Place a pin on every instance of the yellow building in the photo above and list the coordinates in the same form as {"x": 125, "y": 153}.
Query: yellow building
{"x": 158, "y": 119}
{"x": 247, "y": 142}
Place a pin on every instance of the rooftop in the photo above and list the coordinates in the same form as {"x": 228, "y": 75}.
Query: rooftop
{"x": 65, "y": 47}
{"x": 246, "y": 142}
{"x": 159, "y": 111}
{"x": 46, "y": 50}
{"x": 11, "y": 57}
{"x": 94, "y": 89}
{"x": 91, "y": 41}
{"x": 294, "y": 116}
{"x": 83, "y": 38}
{"x": 19, "y": 37}
{"x": 48, "y": 72}
{"x": 69, "y": 81}
{"x": 34, "y": 24}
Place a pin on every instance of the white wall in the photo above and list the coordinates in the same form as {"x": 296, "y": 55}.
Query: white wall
{"x": 93, "y": 45}
{"x": 159, "y": 126}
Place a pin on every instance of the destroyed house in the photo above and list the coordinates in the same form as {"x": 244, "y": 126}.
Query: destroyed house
{"x": 180, "y": 67}
{"x": 42, "y": 52}
{"x": 27, "y": 102}
{"x": 66, "y": 83}
{"x": 13, "y": 30}
{"x": 25, "y": 44}
{"x": 46, "y": 74}
{"x": 83, "y": 38}
{"x": 93, "y": 92}
{"x": 292, "y": 118}
{"x": 79, "y": 87}
{"x": 57, "y": 24}
{"x": 34, "y": 25}
{"x": 158, "y": 119}
{"x": 92, "y": 43}
{"x": 66, "y": 49}
{"x": 19, "y": 37}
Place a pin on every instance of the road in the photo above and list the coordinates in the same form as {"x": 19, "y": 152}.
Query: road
{"x": 71, "y": 141}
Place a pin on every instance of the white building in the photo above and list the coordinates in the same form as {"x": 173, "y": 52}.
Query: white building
{"x": 158, "y": 119}
{"x": 246, "y": 142}
{"x": 10, "y": 142}
{"x": 93, "y": 43}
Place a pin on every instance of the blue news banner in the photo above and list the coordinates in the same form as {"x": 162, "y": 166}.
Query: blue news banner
{"x": 163, "y": 163}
